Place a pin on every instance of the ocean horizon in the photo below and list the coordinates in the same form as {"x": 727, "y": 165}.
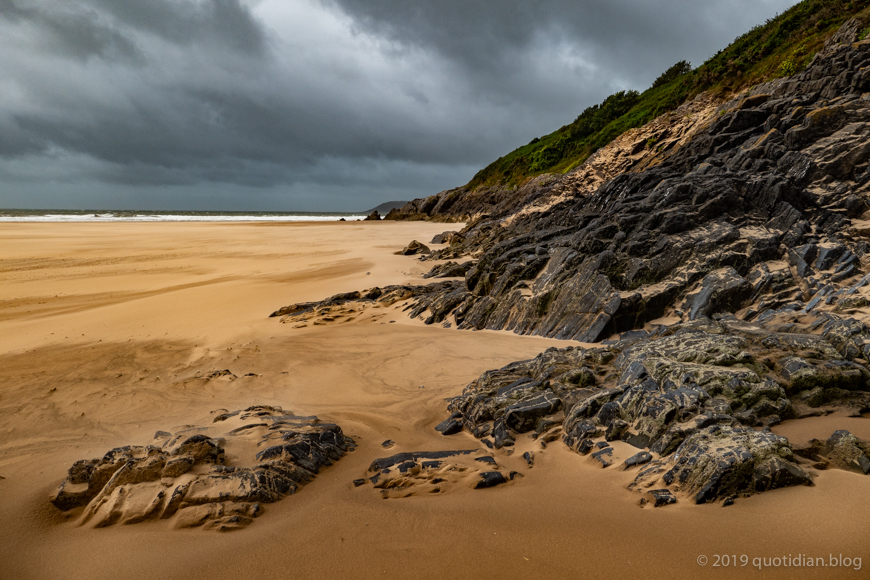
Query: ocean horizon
{"x": 111, "y": 215}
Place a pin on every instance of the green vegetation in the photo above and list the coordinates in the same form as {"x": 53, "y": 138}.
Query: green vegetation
{"x": 683, "y": 67}
{"x": 783, "y": 46}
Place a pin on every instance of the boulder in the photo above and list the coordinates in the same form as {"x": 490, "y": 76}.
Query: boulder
{"x": 720, "y": 461}
{"x": 414, "y": 248}
{"x": 637, "y": 459}
{"x": 842, "y": 450}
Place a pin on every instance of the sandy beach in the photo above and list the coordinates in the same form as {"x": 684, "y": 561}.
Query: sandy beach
{"x": 106, "y": 333}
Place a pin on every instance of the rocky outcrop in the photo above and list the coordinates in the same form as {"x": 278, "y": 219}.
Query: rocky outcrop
{"x": 418, "y": 472}
{"x": 633, "y": 151}
{"x": 720, "y": 277}
{"x": 752, "y": 210}
{"x": 721, "y": 461}
{"x": 449, "y": 270}
{"x": 415, "y": 247}
{"x": 439, "y": 299}
{"x": 842, "y": 450}
{"x": 693, "y": 394}
{"x": 186, "y": 477}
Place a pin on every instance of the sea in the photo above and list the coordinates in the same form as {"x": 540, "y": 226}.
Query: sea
{"x": 107, "y": 215}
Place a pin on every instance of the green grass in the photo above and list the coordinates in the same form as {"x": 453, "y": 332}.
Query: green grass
{"x": 781, "y": 47}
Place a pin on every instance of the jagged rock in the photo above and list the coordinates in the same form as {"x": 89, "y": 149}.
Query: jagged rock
{"x": 414, "y": 456}
{"x": 850, "y": 337}
{"x": 491, "y": 479}
{"x": 663, "y": 388}
{"x": 449, "y": 270}
{"x": 374, "y": 216}
{"x": 294, "y": 309}
{"x": 585, "y": 447}
{"x": 439, "y": 297}
{"x": 720, "y": 461}
{"x": 449, "y": 237}
{"x": 721, "y": 290}
{"x": 509, "y": 400}
{"x": 671, "y": 391}
{"x": 415, "y": 247}
{"x": 406, "y": 474}
{"x": 450, "y": 426}
{"x": 846, "y": 451}
{"x": 637, "y": 459}
{"x": 842, "y": 450}
{"x": 603, "y": 458}
{"x": 836, "y": 374}
{"x": 774, "y": 183}
{"x": 135, "y": 483}
{"x": 660, "y": 497}
{"x": 523, "y": 415}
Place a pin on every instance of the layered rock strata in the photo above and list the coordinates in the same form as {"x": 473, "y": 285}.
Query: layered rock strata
{"x": 216, "y": 476}
{"x": 699, "y": 395}
{"x": 430, "y": 472}
{"x": 761, "y": 208}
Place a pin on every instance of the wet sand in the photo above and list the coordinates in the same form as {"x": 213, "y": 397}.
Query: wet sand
{"x": 104, "y": 329}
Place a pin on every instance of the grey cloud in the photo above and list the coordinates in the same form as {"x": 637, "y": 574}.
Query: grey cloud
{"x": 228, "y": 22}
{"x": 108, "y": 28}
{"x": 371, "y": 98}
{"x": 72, "y": 29}
{"x": 632, "y": 39}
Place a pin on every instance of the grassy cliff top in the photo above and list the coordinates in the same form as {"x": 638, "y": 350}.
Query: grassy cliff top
{"x": 782, "y": 46}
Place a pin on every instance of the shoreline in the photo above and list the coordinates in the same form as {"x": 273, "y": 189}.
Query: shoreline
{"x": 140, "y": 313}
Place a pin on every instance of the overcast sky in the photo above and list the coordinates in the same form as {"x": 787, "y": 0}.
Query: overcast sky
{"x": 311, "y": 105}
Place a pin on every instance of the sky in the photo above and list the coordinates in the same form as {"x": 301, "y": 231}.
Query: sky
{"x": 312, "y": 105}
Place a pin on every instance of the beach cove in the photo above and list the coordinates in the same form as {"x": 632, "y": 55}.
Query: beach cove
{"x": 107, "y": 335}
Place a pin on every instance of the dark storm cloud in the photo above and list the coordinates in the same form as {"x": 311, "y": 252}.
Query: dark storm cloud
{"x": 340, "y": 97}
{"x": 103, "y": 28}
{"x": 70, "y": 29}
{"x": 224, "y": 21}
{"x": 629, "y": 40}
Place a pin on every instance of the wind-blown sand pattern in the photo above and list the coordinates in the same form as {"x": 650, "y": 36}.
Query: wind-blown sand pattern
{"x": 110, "y": 333}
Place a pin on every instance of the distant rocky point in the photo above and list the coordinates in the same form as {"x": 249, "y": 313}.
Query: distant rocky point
{"x": 385, "y": 207}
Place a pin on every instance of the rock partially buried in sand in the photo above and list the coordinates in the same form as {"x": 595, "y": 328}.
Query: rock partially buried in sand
{"x": 720, "y": 461}
{"x": 637, "y": 459}
{"x": 346, "y": 306}
{"x": 420, "y": 472}
{"x": 659, "y": 497}
{"x": 691, "y": 394}
{"x": 186, "y": 476}
{"x": 415, "y": 247}
{"x": 842, "y": 450}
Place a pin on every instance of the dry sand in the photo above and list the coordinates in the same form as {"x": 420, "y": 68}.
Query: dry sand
{"x": 105, "y": 327}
